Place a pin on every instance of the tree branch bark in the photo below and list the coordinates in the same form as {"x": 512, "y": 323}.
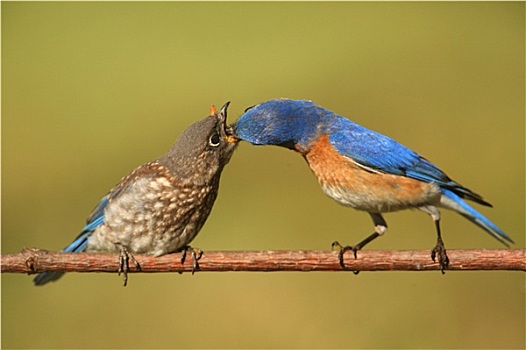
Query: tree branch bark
{"x": 35, "y": 260}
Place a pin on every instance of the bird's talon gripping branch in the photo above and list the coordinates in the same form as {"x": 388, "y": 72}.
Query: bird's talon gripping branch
{"x": 338, "y": 246}
{"x": 124, "y": 262}
{"x": 342, "y": 251}
{"x": 195, "y": 253}
{"x": 439, "y": 251}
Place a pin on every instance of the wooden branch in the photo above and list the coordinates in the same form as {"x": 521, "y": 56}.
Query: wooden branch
{"x": 35, "y": 260}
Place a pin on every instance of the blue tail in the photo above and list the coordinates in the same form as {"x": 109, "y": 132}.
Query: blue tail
{"x": 453, "y": 201}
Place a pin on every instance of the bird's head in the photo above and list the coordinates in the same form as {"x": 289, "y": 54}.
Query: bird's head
{"x": 203, "y": 149}
{"x": 293, "y": 124}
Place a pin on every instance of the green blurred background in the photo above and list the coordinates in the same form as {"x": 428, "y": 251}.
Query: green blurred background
{"x": 91, "y": 90}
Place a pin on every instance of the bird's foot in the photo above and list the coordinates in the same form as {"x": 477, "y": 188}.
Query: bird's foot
{"x": 195, "y": 253}
{"x": 124, "y": 262}
{"x": 342, "y": 250}
{"x": 440, "y": 252}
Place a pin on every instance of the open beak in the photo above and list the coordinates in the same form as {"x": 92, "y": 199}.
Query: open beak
{"x": 228, "y": 130}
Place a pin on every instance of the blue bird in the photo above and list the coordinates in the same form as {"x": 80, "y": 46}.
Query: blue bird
{"x": 360, "y": 168}
{"x": 160, "y": 206}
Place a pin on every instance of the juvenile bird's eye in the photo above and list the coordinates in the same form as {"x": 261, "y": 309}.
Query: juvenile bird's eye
{"x": 214, "y": 140}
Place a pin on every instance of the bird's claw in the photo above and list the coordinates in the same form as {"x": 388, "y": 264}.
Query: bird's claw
{"x": 195, "y": 253}
{"x": 124, "y": 262}
{"x": 342, "y": 250}
{"x": 439, "y": 251}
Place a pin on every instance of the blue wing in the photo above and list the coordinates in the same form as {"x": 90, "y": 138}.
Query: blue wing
{"x": 95, "y": 219}
{"x": 384, "y": 154}
{"x": 380, "y": 152}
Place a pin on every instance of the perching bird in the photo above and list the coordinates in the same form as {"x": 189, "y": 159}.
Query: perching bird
{"x": 360, "y": 168}
{"x": 160, "y": 206}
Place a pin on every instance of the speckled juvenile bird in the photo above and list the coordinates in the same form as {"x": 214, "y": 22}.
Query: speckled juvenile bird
{"x": 362, "y": 169}
{"x": 160, "y": 206}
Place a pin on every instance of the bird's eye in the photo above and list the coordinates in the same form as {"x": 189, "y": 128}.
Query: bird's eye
{"x": 214, "y": 140}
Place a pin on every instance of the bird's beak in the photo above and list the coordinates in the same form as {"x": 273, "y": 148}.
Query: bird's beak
{"x": 230, "y": 135}
{"x": 227, "y": 129}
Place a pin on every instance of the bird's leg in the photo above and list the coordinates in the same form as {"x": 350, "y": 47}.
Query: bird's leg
{"x": 439, "y": 251}
{"x": 195, "y": 253}
{"x": 124, "y": 259}
{"x": 380, "y": 226}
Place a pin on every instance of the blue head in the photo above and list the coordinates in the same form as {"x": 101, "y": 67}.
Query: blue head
{"x": 289, "y": 123}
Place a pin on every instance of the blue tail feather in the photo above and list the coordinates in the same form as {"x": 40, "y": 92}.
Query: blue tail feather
{"x": 452, "y": 201}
